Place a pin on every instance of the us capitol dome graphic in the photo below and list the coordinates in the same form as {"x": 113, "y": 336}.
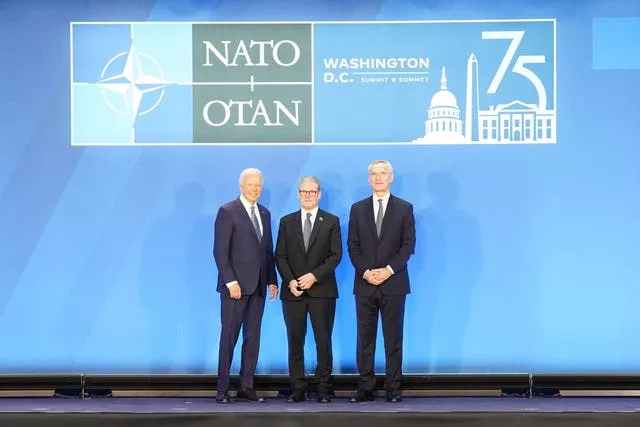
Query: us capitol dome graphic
{"x": 443, "y": 123}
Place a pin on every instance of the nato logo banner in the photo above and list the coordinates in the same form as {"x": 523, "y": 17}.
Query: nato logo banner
{"x": 333, "y": 83}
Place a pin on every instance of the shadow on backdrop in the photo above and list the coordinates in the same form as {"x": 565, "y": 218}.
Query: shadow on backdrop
{"x": 448, "y": 251}
{"x": 176, "y": 288}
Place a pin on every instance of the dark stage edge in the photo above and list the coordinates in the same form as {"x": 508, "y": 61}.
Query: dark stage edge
{"x": 446, "y": 411}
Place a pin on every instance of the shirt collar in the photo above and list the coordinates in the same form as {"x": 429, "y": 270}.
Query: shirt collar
{"x": 314, "y": 212}
{"x": 247, "y": 204}
{"x": 384, "y": 198}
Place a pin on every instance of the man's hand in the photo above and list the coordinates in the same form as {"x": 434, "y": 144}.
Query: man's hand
{"x": 370, "y": 277}
{"x": 273, "y": 291}
{"x": 235, "y": 292}
{"x": 293, "y": 287}
{"x": 378, "y": 276}
{"x": 381, "y": 275}
{"x": 306, "y": 281}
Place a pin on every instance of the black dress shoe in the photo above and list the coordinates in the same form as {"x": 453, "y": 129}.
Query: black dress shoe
{"x": 249, "y": 395}
{"x": 297, "y": 396}
{"x": 362, "y": 396}
{"x": 222, "y": 397}
{"x": 394, "y": 396}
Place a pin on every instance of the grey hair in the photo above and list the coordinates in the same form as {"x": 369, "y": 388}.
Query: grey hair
{"x": 386, "y": 163}
{"x": 311, "y": 178}
{"x": 250, "y": 171}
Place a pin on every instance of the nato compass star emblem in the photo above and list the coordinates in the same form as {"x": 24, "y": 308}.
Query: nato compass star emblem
{"x": 135, "y": 90}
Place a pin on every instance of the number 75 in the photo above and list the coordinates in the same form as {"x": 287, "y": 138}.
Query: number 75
{"x": 519, "y": 66}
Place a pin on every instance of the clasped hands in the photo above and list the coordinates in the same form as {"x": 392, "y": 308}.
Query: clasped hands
{"x": 301, "y": 284}
{"x": 377, "y": 276}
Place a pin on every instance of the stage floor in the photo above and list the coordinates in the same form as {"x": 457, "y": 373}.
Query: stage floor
{"x": 279, "y": 405}
{"x": 432, "y": 411}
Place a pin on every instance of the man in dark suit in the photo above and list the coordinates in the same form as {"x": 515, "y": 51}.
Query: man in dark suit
{"x": 243, "y": 250}
{"x": 308, "y": 250}
{"x": 381, "y": 239}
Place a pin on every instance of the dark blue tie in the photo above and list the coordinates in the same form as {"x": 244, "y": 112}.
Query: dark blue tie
{"x": 256, "y": 225}
{"x": 306, "y": 231}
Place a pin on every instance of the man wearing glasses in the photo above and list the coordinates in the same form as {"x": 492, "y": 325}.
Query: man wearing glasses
{"x": 308, "y": 250}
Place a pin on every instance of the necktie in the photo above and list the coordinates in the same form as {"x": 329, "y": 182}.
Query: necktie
{"x": 306, "y": 231}
{"x": 379, "y": 217}
{"x": 256, "y": 225}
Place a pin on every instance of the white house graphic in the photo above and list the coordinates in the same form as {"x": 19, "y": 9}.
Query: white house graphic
{"x": 515, "y": 122}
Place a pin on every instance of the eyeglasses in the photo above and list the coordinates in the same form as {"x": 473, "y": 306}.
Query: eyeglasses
{"x": 308, "y": 193}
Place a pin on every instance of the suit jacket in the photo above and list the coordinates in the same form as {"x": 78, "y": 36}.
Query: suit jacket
{"x": 394, "y": 247}
{"x": 239, "y": 254}
{"x": 321, "y": 259}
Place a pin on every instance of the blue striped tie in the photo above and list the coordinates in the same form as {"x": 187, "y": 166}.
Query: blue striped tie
{"x": 256, "y": 225}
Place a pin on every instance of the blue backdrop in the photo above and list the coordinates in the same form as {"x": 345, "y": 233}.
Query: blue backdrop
{"x": 526, "y": 258}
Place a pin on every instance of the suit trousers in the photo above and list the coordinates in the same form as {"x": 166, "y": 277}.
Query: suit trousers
{"x": 245, "y": 313}
{"x": 391, "y": 308}
{"x": 322, "y": 313}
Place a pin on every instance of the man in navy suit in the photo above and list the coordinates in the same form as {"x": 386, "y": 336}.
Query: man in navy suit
{"x": 380, "y": 240}
{"x": 243, "y": 251}
{"x": 308, "y": 250}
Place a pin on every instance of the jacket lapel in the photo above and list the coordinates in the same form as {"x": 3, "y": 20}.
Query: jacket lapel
{"x": 246, "y": 219}
{"x": 266, "y": 227}
{"x": 368, "y": 210}
{"x": 316, "y": 227}
{"x": 388, "y": 214}
{"x": 297, "y": 230}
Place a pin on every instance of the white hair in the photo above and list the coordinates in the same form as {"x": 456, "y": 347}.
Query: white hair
{"x": 310, "y": 178}
{"x": 386, "y": 164}
{"x": 250, "y": 171}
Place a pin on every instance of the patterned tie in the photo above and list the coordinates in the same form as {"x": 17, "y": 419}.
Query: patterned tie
{"x": 256, "y": 225}
{"x": 306, "y": 231}
{"x": 379, "y": 217}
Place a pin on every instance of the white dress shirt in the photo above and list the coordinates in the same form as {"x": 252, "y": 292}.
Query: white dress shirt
{"x": 314, "y": 214}
{"x": 385, "y": 202}
{"x": 376, "y": 206}
{"x": 247, "y": 207}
